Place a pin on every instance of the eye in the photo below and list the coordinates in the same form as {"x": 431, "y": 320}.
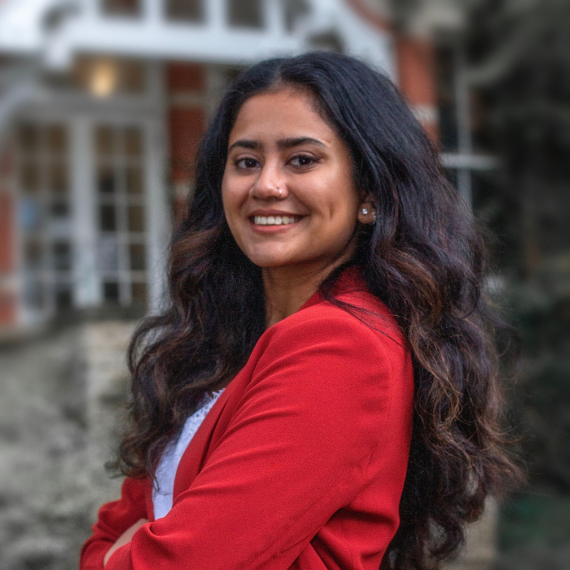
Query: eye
{"x": 246, "y": 163}
{"x": 303, "y": 160}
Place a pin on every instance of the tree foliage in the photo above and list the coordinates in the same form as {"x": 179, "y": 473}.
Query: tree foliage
{"x": 519, "y": 53}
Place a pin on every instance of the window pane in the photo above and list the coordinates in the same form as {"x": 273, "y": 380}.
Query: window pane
{"x": 106, "y": 180}
{"x": 62, "y": 296}
{"x": 108, "y": 254}
{"x": 294, "y": 11}
{"x": 188, "y": 10}
{"x": 111, "y": 291}
{"x": 108, "y": 220}
{"x": 137, "y": 256}
{"x": 121, "y": 7}
{"x": 445, "y": 70}
{"x": 34, "y": 293}
{"x": 104, "y": 140}
{"x": 33, "y": 254}
{"x": 29, "y": 138}
{"x": 30, "y": 176}
{"x": 59, "y": 210}
{"x": 138, "y": 292}
{"x": 62, "y": 256}
{"x": 133, "y": 142}
{"x": 105, "y": 77}
{"x": 245, "y": 13}
{"x": 131, "y": 77}
{"x": 57, "y": 174}
{"x": 136, "y": 219}
{"x": 134, "y": 180}
{"x": 30, "y": 214}
{"x": 451, "y": 175}
{"x": 56, "y": 139}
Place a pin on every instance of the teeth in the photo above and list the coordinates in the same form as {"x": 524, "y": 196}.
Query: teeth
{"x": 274, "y": 220}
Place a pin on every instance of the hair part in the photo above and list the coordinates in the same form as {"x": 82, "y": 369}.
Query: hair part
{"x": 423, "y": 257}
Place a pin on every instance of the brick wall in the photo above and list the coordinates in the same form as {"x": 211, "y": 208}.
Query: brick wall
{"x": 416, "y": 79}
{"x": 186, "y": 84}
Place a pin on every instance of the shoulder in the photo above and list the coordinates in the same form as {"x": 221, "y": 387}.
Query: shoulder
{"x": 358, "y": 340}
{"x": 329, "y": 365}
{"x": 360, "y": 317}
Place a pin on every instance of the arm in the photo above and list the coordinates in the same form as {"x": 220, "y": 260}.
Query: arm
{"x": 125, "y": 538}
{"x": 295, "y": 452}
{"x": 113, "y": 520}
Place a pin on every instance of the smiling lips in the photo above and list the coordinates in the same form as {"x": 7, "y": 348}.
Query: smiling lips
{"x": 275, "y": 220}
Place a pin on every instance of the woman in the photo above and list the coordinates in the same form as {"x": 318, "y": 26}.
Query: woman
{"x": 327, "y": 334}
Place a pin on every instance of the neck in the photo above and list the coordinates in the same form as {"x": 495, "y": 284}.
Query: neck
{"x": 287, "y": 291}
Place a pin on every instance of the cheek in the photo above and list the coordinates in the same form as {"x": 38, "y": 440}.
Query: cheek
{"x": 229, "y": 213}
{"x": 234, "y": 191}
{"x": 228, "y": 197}
{"x": 346, "y": 199}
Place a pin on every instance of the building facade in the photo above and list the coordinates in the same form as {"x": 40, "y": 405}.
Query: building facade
{"x": 102, "y": 105}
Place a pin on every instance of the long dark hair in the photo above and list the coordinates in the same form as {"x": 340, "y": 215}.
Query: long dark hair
{"x": 424, "y": 258}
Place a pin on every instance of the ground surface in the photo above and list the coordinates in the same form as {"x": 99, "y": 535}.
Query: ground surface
{"x": 49, "y": 486}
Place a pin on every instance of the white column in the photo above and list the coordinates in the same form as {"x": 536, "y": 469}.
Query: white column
{"x": 157, "y": 214}
{"x": 157, "y": 203}
{"x": 87, "y": 292}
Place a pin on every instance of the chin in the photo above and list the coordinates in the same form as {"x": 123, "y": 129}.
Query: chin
{"x": 268, "y": 259}
{"x": 265, "y": 263}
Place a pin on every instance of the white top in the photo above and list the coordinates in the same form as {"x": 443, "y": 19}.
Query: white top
{"x": 168, "y": 464}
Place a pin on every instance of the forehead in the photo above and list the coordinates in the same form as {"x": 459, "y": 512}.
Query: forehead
{"x": 288, "y": 112}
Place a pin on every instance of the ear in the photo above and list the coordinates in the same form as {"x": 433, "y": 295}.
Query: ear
{"x": 366, "y": 211}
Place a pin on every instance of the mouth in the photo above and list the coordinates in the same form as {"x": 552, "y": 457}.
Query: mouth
{"x": 274, "y": 220}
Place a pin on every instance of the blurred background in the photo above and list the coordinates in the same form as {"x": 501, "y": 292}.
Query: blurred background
{"x": 102, "y": 105}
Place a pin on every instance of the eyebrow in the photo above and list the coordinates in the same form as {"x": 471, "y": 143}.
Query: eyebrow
{"x": 282, "y": 144}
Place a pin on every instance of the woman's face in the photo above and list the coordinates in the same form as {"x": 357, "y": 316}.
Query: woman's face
{"x": 288, "y": 190}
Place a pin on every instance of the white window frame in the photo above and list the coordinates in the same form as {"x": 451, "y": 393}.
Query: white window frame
{"x": 81, "y": 112}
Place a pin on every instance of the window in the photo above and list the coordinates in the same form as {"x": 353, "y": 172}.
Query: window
{"x": 44, "y": 205}
{"x": 121, "y": 214}
{"x": 185, "y": 10}
{"x": 121, "y": 7}
{"x": 295, "y": 10}
{"x": 104, "y": 77}
{"x": 327, "y": 41}
{"x": 447, "y": 104}
{"x": 245, "y": 13}
{"x": 462, "y": 133}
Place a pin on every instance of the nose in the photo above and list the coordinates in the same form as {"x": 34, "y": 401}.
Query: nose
{"x": 269, "y": 183}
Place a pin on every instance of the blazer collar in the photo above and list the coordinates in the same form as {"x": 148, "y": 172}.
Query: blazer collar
{"x": 349, "y": 281}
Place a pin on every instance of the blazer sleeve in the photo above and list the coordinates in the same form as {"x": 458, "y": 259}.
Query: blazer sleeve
{"x": 297, "y": 450}
{"x": 112, "y": 520}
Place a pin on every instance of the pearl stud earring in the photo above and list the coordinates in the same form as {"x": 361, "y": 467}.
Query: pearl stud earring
{"x": 365, "y": 211}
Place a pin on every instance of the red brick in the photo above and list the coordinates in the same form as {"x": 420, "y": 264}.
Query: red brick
{"x": 186, "y": 128}
{"x": 184, "y": 77}
{"x": 416, "y": 74}
{"x": 432, "y": 130}
{"x": 7, "y": 308}
{"x": 416, "y": 70}
{"x": 370, "y": 15}
{"x": 6, "y": 233}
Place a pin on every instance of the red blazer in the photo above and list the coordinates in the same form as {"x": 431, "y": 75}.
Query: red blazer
{"x": 300, "y": 463}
